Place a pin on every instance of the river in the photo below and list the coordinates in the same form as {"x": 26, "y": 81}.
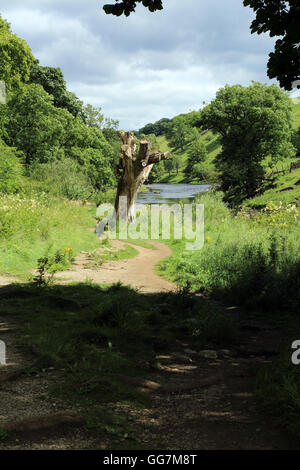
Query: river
{"x": 160, "y": 193}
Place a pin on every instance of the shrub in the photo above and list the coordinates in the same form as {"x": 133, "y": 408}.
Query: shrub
{"x": 10, "y": 169}
{"x": 62, "y": 178}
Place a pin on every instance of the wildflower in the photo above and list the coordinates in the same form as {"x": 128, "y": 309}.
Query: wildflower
{"x": 208, "y": 239}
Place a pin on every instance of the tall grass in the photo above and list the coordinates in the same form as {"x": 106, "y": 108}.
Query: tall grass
{"x": 37, "y": 224}
{"x": 249, "y": 258}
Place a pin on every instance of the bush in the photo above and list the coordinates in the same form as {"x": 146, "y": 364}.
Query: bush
{"x": 62, "y": 178}
{"x": 246, "y": 260}
{"x": 10, "y": 169}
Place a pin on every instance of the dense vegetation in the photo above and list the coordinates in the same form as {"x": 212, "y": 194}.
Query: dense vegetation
{"x": 44, "y": 127}
{"x": 57, "y": 155}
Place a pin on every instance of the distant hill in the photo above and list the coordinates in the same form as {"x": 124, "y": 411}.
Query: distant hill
{"x": 286, "y": 186}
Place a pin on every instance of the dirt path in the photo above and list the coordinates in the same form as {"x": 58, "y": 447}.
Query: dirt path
{"x": 138, "y": 272}
{"x": 198, "y": 403}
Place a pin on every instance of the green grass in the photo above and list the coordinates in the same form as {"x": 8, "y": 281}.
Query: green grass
{"x": 248, "y": 259}
{"x": 38, "y": 225}
{"x": 286, "y": 190}
{"x": 107, "y": 253}
{"x": 278, "y": 388}
{"x": 97, "y": 338}
{"x": 213, "y": 148}
{"x": 296, "y": 116}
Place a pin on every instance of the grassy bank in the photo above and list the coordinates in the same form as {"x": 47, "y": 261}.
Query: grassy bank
{"x": 247, "y": 258}
{"x": 251, "y": 259}
{"x": 38, "y": 225}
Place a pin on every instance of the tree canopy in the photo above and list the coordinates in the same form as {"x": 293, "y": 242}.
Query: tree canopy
{"x": 53, "y": 82}
{"x": 280, "y": 18}
{"x": 126, "y": 7}
{"x": 16, "y": 57}
{"x": 254, "y": 123}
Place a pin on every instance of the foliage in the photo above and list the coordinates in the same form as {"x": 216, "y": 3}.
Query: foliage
{"x": 33, "y": 225}
{"x": 254, "y": 122}
{"x": 62, "y": 178}
{"x": 53, "y": 82}
{"x": 196, "y": 154}
{"x": 11, "y": 169}
{"x": 93, "y": 117}
{"x": 177, "y": 162}
{"x": 48, "y": 265}
{"x": 128, "y": 6}
{"x": 251, "y": 260}
{"x": 278, "y": 389}
{"x": 168, "y": 165}
{"x": 16, "y": 58}
{"x": 35, "y": 126}
{"x": 158, "y": 128}
{"x": 178, "y": 132}
{"x": 280, "y": 18}
{"x": 89, "y": 148}
{"x": 46, "y": 134}
{"x": 296, "y": 141}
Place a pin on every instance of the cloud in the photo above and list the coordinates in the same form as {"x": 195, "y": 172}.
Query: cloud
{"x": 147, "y": 66}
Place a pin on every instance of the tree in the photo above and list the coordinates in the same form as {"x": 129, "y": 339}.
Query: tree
{"x": 296, "y": 141}
{"x": 168, "y": 166}
{"x": 133, "y": 170}
{"x": 280, "y": 18}
{"x": 177, "y": 162}
{"x": 158, "y": 128}
{"x": 35, "y": 125}
{"x": 196, "y": 154}
{"x": 16, "y": 58}
{"x": 178, "y": 132}
{"x": 53, "y": 82}
{"x": 93, "y": 116}
{"x": 128, "y": 6}
{"x": 254, "y": 123}
{"x": 89, "y": 148}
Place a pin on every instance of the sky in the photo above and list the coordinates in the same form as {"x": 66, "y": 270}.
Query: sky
{"x": 142, "y": 68}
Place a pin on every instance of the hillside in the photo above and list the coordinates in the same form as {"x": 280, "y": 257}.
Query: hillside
{"x": 285, "y": 185}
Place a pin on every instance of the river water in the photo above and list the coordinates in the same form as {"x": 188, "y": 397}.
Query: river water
{"x": 171, "y": 193}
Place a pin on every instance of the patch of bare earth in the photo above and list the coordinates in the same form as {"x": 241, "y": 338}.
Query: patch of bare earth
{"x": 209, "y": 404}
{"x": 137, "y": 272}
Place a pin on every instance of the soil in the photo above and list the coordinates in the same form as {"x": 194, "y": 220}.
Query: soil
{"x": 198, "y": 403}
{"x": 137, "y": 272}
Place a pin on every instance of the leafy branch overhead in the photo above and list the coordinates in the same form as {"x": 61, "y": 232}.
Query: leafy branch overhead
{"x": 126, "y": 7}
{"x": 280, "y": 18}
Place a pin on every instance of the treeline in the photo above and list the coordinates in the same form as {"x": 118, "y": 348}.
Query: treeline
{"x": 255, "y": 131}
{"x": 47, "y": 135}
{"x": 188, "y": 147}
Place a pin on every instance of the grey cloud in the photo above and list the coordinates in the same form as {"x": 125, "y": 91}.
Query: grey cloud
{"x": 147, "y": 66}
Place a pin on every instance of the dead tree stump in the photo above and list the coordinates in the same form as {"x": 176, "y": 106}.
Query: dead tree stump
{"x": 132, "y": 171}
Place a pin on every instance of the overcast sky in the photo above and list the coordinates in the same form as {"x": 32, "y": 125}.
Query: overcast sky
{"x": 149, "y": 65}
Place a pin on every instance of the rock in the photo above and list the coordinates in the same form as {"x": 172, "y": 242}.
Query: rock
{"x": 225, "y": 352}
{"x": 191, "y": 352}
{"x": 208, "y": 354}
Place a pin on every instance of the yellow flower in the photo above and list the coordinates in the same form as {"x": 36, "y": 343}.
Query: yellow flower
{"x": 208, "y": 239}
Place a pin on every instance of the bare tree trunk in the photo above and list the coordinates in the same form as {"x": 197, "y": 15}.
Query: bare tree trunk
{"x": 132, "y": 171}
